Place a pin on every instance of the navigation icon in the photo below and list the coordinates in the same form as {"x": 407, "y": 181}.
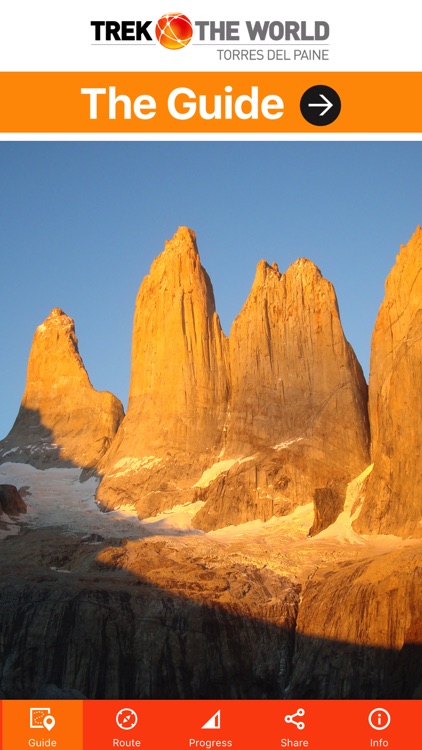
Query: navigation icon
{"x": 320, "y": 105}
{"x": 126, "y": 718}
{"x": 379, "y": 719}
{"x": 290, "y": 718}
{"x": 41, "y": 718}
{"x": 214, "y": 722}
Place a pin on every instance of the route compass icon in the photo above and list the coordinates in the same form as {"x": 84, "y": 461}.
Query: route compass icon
{"x": 126, "y": 718}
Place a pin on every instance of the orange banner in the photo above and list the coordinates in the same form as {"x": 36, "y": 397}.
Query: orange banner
{"x": 108, "y": 102}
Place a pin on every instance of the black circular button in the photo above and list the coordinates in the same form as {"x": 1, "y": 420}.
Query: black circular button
{"x": 320, "y": 105}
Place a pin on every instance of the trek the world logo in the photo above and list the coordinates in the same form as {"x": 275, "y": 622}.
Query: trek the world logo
{"x": 175, "y": 31}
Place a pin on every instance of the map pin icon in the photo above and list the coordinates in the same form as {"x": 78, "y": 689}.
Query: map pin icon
{"x": 49, "y": 722}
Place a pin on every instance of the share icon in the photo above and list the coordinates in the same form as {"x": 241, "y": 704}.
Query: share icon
{"x": 290, "y": 718}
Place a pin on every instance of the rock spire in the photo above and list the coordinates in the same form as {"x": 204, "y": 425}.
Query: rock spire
{"x": 62, "y": 418}
{"x": 179, "y": 384}
{"x": 298, "y": 403}
{"x": 393, "y": 500}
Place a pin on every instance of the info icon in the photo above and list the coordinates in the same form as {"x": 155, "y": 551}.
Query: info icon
{"x": 379, "y": 719}
{"x": 320, "y": 105}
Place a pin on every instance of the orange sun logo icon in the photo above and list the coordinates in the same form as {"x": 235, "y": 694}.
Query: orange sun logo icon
{"x": 174, "y": 30}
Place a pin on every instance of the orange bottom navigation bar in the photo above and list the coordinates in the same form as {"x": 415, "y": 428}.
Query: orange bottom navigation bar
{"x": 187, "y": 725}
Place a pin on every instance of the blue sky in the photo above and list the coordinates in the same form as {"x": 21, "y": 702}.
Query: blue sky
{"x": 81, "y": 222}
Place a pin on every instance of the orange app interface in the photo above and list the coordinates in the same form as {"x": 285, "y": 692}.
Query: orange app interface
{"x": 210, "y": 509}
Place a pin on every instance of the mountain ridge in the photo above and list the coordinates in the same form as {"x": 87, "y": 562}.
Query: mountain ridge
{"x": 276, "y": 413}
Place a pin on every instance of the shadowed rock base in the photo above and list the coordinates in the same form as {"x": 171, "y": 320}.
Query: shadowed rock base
{"x": 176, "y": 619}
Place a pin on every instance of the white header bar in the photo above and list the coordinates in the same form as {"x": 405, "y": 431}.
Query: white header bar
{"x": 363, "y": 36}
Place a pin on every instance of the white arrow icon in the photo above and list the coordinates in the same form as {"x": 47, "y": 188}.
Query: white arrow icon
{"x": 327, "y": 105}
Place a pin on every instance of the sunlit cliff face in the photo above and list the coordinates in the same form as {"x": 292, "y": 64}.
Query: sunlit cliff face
{"x": 284, "y": 399}
{"x": 61, "y": 414}
{"x": 394, "y": 496}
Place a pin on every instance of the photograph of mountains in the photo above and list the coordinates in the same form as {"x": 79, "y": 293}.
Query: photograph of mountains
{"x": 248, "y": 523}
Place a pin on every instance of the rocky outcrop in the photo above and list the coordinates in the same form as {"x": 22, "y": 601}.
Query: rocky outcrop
{"x": 179, "y": 386}
{"x": 393, "y": 502}
{"x": 62, "y": 420}
{"x": 284, "y": 400}
{"x": 358, "y": 630}
{"x": 286, "y": 405}
{"x": 11, "y": 502}
{"x": 189, "y": 617}
{"x": 144, "y": 620}
{"x": 298, "y": 405}
{"x": 293, "y": 373}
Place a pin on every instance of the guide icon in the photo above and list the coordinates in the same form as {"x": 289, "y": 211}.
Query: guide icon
{"x": 41, "y": 718}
